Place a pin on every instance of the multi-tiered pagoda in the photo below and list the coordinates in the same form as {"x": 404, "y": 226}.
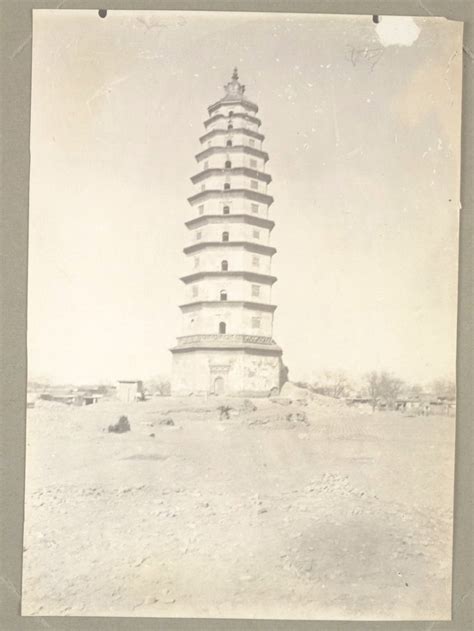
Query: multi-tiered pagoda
{"x": 227, "y": 345}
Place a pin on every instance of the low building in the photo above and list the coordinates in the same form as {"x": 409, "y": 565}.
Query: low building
{"x": 410, "y": 405}
{"x": 130, "y": 390}
{"x": 427, "y": 405}
{"x": 89, "y": 398}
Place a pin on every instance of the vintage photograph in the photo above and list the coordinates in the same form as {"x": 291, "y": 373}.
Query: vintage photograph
{"x": 242, "y": 306}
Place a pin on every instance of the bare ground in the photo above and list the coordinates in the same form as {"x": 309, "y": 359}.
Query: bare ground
{"x": 340, "y": 516}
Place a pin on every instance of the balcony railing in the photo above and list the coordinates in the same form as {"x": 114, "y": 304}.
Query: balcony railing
{"x": 224, "y": 339}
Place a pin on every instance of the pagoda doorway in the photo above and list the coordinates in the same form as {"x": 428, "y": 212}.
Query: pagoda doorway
{"x": 219, "y": 385}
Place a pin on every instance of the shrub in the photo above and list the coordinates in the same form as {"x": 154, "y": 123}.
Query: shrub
{"x": 224, "y": 411}
{"x": 121, "y": 426}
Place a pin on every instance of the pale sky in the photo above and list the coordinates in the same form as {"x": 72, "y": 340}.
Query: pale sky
{"x": 363, "y": 134}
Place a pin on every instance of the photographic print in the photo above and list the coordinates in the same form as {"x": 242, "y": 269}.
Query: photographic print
{"x": 242, "y": 304}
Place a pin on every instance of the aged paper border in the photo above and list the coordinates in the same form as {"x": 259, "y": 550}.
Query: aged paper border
{"x": 15, "y": 42}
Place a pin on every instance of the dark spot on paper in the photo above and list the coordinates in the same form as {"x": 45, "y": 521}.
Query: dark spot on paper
{"x": 369, "y": 56}
{"x": 375, "y": 19}
{"x": 102, "y": 13}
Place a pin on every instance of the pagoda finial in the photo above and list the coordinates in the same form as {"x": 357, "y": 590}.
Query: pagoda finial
{"x": 234, "y": 89}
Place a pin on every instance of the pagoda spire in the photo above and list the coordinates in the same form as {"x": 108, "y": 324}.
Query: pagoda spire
{"x": 234, "y": 89}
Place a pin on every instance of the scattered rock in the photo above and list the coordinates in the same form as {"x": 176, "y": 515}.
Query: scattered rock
{"x": 167, "y": 421}
{"x": 297, "y": 417}
{"x": 151, "y": 600}
{"x": 248, "y": 406}
{"x": 308, "y": 566}
{"x": 121, "y": 426}
{"x": 141, "y": 561}
{"x": 281, "y": 401}
{"x": 260, "y": 421}
{"x": 152, "y": 435}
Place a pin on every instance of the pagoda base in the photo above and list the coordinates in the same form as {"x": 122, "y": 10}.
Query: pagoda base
{"x": 241, "y": 372}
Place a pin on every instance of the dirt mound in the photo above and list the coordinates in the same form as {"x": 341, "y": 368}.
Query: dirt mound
{"x": 304, "y": 395}
{"x": 294, "y": 392}
{"x": 319, "y": 402}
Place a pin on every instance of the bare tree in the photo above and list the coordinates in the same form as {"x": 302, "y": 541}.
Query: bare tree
{"x": 383, "y": 386}
{"x": 373, "y": 388}
{"x": 390, "y": 388}
{"x": 163, "y": 388}
{"x": 160, "y": 386}
{"x": 444, "y": 389}
{"x": 413, "y": 391}
{"x": 337, "y": 383}
{"x": 331, "y": 384}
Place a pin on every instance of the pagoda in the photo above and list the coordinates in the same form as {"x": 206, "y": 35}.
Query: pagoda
{"x": 227, "y": 346}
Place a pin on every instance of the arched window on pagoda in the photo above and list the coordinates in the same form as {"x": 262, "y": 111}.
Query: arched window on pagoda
{"x": 229, "y": 143}
{"x": 222, "y": 327}
{"x": 223, "y": 294}
{"x": 224, "y": 266}
{"x": 228, "y": 164}
{"x": 226, "y": 186}
{"x": 225, "y": 236}
{"x": 230, "y": 126}
{"x": 225, "y": 210}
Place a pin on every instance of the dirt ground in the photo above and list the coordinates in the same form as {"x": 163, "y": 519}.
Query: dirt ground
{"x": 289, "y": 510}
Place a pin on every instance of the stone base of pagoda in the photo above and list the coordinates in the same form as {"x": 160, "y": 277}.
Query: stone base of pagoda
{"x": 244, "y": 371}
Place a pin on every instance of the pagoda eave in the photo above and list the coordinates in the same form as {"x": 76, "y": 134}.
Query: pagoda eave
{"x": 263, "y": 198}
{"x": 257, "y": 248}
{"x": 245, "y": 304}
{"x": 245, "y": 116}
{"x": 225, "y": 132}
{"x": 252, "y": 173}
{"x": 253, "y": 220}
{"x": 264, "y": 279}
{"x": 259, "y": 348}
{"x": 232, "y": 101}
{"x": 209, "y": 151}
